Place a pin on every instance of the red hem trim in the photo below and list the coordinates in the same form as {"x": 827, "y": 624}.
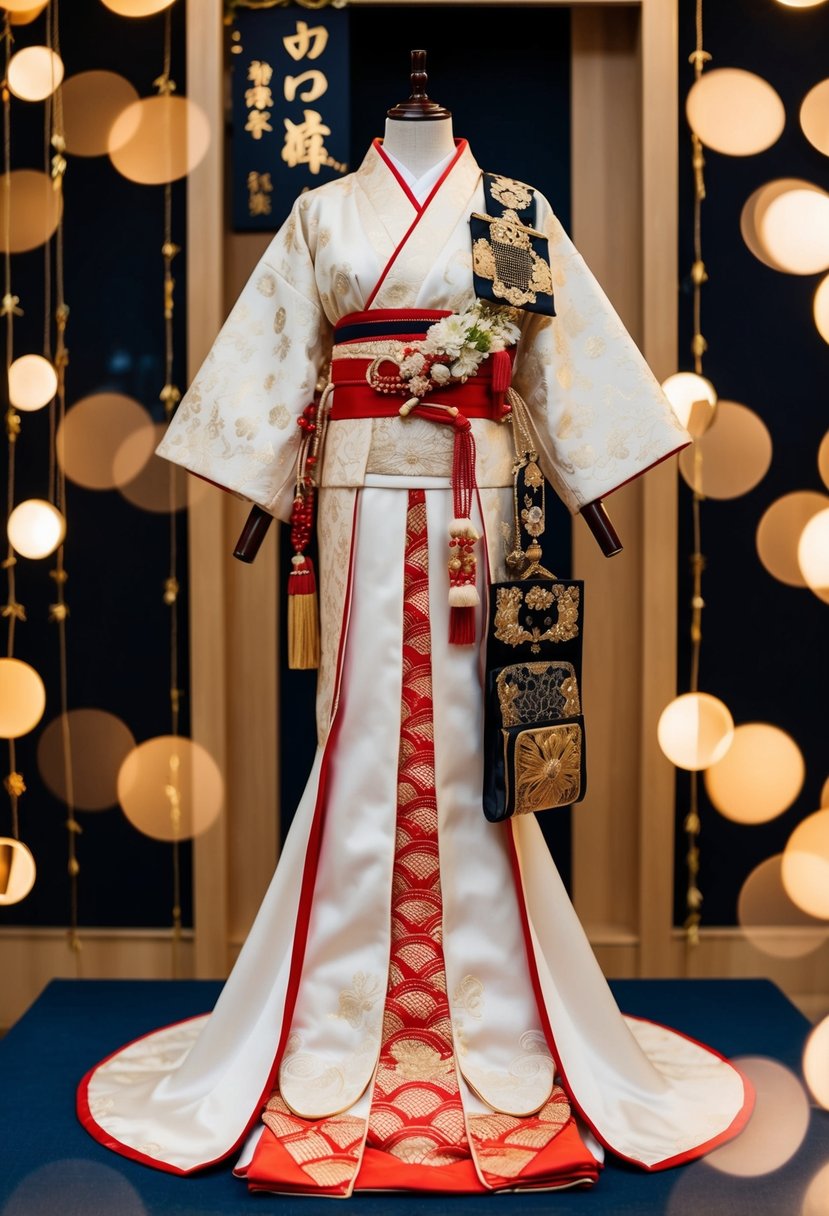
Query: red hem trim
{"x": 641, "y": 473}
{"x": 421, "y": 211}
{"x": 738, "y": 1122}
{"x": 298, "y": 951}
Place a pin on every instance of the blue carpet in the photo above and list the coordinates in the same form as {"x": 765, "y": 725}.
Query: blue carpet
{"x": 49, "y": 1165}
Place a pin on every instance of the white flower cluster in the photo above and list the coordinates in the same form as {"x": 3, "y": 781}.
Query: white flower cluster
{"x": 455, "y": 346}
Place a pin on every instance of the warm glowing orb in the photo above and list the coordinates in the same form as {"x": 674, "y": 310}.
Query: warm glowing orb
{"x": 795, "y": 231}
{"x": 170, "y": 788}
{"x": 137, "y": 8}
{"x": 34, "y": 73}
{"x": 693, "y": 399}
{"x": 777, "y": 1126}
{"x": 97, "y": 743}
{"x": 816, "y": 1063}
{"x": 813, "y": 554}
{"x": 17, "y": 870}
{"x": 92, "y": 435}
{"x": 732, "y": 457}
{"x": 695, "y": 730}
{"x": 92, "y": 101}
{"x": 33, "y": 382}
{"x": 36, "y": 528}
{"x": 22, "y": 698}
{"x": 806, "y": 865}
{"x": 752, "y": 217}
{"x": 760, "y": 775}
{"x": 159, "y": 139}
{"x": 779, "y": 532}
{"x": 735, "y": 112}
{"x": 770, "y": 920}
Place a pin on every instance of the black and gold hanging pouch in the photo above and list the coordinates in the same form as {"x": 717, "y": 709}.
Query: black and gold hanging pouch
{"x": 534, "y": 746}
{"x": 510, "y": 257}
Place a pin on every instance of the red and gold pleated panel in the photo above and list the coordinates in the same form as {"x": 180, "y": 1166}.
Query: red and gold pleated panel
{"x": 304, "y": 1156}
{"x": 417, "y": 1114}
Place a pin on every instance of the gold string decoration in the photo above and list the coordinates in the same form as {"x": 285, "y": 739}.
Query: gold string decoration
{"x": 170, "y": 396}
{"x": 699, "y": 275}
{"x": 13, "y": 611}
{"x": 55, "y": 165}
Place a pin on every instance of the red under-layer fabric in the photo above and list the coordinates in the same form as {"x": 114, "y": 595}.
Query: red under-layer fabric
{"x": 416, "y": 1138}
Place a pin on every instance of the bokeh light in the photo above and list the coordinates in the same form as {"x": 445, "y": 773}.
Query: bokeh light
{"x": 170, "y": 788}
{"x": 777, "y": 1126}
{"x": 91, "y": 103}
{"x": 816, "y": 1063}
{"x": 816, "y": 1199}
{"x": 769, "y": 919}
{"x": 735, "y": 453}
{"x": 17, "y": 872}
{"x": 795, "y": 231}
{"x": 760, "y": 775}
{"x": 695, "y": 730}
{"x": 814, "y": 116}
{"x": 824, "y": 794}
{"x": 98, "y": 745}
{"x": 22, "y": 698}
{"x": 735, "y": 112}
{"x": 34, "y": 73}
{"x": 83, "y": 1187}
{"x": 91, "y": 439}
{"x": 36, "y": 528}
{"x": 33, "y": 383}
{"x": 35, "y": 209}
{"x": 159, "y": 139}
{"x": 813, "y": 554}
{"x": 779, "y": 532}
{"x": 22, "y": 16}
{"x": 137, "y": 8}
{"x": 806, "y": 865}
{"x": 693, "y": 399}
{"x": 752, "y": 217}
{"x": 152, "y": 489}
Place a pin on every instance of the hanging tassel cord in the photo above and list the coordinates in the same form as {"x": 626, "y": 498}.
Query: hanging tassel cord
{"x": 303, "y": 608}
{"x": 463, "y": 564}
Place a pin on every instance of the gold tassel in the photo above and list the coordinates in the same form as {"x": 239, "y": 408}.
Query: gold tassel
{"x": 303, "y": 616}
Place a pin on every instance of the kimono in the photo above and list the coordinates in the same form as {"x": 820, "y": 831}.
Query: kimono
{"x": 417, "y": 1005}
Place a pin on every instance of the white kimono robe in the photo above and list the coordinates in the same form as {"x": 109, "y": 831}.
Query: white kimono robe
{"x": 189, "y": 1095}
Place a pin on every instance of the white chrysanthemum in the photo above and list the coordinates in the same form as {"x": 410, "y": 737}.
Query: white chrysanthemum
{"x": 466, "y": 363}
{"x": 446, "y": 336}
{"x": 412, "y": 365}
{"x": 440, "y": 373}
{"x": 419, "y": 386}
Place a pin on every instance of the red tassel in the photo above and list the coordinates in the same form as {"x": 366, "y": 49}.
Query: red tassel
{"x": 501, "y": 370}
{"x": 302, "y": 580}
{"x": 462, "y": 626}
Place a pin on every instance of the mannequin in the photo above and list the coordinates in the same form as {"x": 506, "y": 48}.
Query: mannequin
{"x": 416, "y": 1006}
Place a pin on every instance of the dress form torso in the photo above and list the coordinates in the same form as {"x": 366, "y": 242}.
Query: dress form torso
{"x": 419, "y": 146}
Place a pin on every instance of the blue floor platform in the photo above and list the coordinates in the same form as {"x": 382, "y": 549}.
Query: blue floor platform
{"x": 50, "y": 1167}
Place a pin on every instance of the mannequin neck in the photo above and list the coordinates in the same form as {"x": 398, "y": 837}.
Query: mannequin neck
{"x": 419, "y": 145}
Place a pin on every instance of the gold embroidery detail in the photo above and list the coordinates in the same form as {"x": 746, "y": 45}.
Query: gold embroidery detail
{"x": 359, "y": 999}
{"x": 538, "y": 598}
{"x": 528, "y": 692}
{"x": 509, "y": 629}
{"x": 547, "y": 767}
{"x": 507, "y": 258}
{"x": 419, "y": 1062}
{"x": 509, "y": 193}
{"x": 469, "y": 996}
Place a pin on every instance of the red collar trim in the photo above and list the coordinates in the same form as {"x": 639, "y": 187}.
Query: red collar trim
{"x": 460, "y": 147}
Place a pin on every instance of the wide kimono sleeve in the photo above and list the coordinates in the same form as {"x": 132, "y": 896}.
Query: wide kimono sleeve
{"x": 236, "y": 424}
{"x": 600, "y": 415}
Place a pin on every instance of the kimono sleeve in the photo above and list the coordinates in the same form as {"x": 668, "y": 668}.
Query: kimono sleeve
{"x": 600, "y": 415}
{"x": 236, "y": 424}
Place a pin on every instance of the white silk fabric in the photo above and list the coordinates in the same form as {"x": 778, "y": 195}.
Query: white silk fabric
{"x": 185, "y": 1096}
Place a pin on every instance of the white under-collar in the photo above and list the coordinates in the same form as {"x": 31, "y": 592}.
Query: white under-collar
{"x": 422, "y": 186}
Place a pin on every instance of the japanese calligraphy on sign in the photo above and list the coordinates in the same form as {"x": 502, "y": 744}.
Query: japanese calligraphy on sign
{"x": 290, "y": 109}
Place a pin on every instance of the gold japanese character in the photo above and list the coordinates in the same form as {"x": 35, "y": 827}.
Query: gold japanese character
{"x": 317, "y": 83}
{"x": 259, "y": 97}
{"x": 304, "y": 142}
{"x": 259, "y": 181}
{"x": 306, "y": 43}
{"x": 260, "y": 73}
{"x": 258, "y": 122}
